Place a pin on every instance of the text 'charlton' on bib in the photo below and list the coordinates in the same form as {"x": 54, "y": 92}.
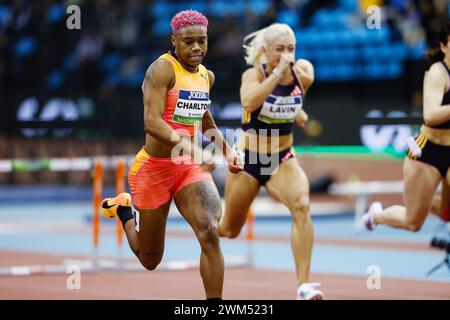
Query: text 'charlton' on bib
{"x": 190, "y": 107}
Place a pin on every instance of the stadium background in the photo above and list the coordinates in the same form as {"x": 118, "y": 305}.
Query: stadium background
{"x": 77, "y": 93}
{"x": 88, "y": 81}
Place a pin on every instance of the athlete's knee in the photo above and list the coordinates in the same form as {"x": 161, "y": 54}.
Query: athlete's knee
{"x": 150, "y": 263}
{"x": 229, "y": 232}
{"x": 414, "y": 224}
{"x": 300, "y": 208}
{"x": 208, "y": 236}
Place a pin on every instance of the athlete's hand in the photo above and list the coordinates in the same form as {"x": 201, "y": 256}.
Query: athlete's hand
{"x": 208, "y": 162}
{"x": 235, "y": 162}
{"x": 301, "y": 119}
{"x": 287, "y": 61}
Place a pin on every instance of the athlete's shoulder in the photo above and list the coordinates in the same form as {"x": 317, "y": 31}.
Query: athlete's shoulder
{"x": 165, "y": 62}
{"x": 303, "y": 63}
{"x": 304, "y": 66}
{"x": 159, "y": 67}
{"x": 211, "y": 77}
{"x": 252, "y": 74}
{"x": 437, "y": 72}
{"x": 166, "y": 56}
{"x": 438, "y": 67}
{"x": 160, "y": 71}
{"x": 253, "y": 69}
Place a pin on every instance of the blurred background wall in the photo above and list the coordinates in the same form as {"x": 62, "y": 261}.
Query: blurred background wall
{"x": 77, "y": 92}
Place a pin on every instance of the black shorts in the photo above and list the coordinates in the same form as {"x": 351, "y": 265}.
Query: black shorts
{"x": 433, "y": 154}
{"x": 261, "y": 166}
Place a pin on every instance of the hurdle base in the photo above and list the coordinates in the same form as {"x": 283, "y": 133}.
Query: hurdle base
{"x": 91, "y": 266}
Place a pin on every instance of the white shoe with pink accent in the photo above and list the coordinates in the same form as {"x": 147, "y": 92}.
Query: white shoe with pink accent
{"x": 369, "y": 218}
{"x": 308, "y": 291}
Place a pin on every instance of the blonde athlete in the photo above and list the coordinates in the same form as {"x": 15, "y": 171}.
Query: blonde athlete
{"x": 272, "y": 94}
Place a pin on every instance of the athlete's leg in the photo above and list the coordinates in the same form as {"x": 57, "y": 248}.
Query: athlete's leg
{"x": 445, "y": 198}
{"x": 199, "y": 203}
{"x": 132, "y": 234}
{"x": 437, "y": 203}
{"x": 447, "y": 179}
{"x": 421, "y": 181}
{"x": 148, "y": 243}
{"x": 441, "y": 202}
{"x": 290, "y": 185}
{"x": 240, "y": 191}
{"x": 151, "y": 235}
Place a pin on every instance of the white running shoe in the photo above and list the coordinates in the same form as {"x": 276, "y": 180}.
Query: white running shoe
{"x": 368, "y": 217}
{"x": 308, "y": 291}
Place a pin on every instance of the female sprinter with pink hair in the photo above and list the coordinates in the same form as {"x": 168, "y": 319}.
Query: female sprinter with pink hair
{"x": 176, "y": 100}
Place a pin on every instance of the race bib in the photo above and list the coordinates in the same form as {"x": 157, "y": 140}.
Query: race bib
{"x": 280, "y": 109}
{"x": 190, "y": 107}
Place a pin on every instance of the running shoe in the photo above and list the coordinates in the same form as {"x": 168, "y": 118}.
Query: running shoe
{"x": 368, "y": 217}
{"x": 308, "y": 291}
{"x": 110, "y": 205}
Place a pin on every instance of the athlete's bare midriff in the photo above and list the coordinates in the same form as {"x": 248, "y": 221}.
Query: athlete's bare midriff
{"x": 437, "y": 136}
{"x": 157, "y": 149}
{"x": 262, "y": 144}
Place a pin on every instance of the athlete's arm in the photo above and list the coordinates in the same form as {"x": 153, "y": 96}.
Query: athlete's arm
{"x": 301, "y": 119}
{"x": 159, "y": 79}
{"x": 209, "y": 127}
{"x": 305, "y": 70}
{"x": 254, "y": 90}
{"x": 434, "y": 86}
{"x": 210, "y": 130}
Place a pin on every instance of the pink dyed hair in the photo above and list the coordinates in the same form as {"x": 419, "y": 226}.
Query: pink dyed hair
{"x": 187, "y": 18}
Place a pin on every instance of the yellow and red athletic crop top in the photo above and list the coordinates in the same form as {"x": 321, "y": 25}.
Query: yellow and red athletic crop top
{"x": 188, "y": 100}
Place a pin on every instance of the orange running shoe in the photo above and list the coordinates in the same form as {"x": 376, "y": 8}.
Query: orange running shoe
{"x": 110, "y": 205}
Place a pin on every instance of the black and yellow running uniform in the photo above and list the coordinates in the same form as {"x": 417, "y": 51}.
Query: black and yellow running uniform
{"x": 432, "y": 153}
{"x": 274, "y": 117}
